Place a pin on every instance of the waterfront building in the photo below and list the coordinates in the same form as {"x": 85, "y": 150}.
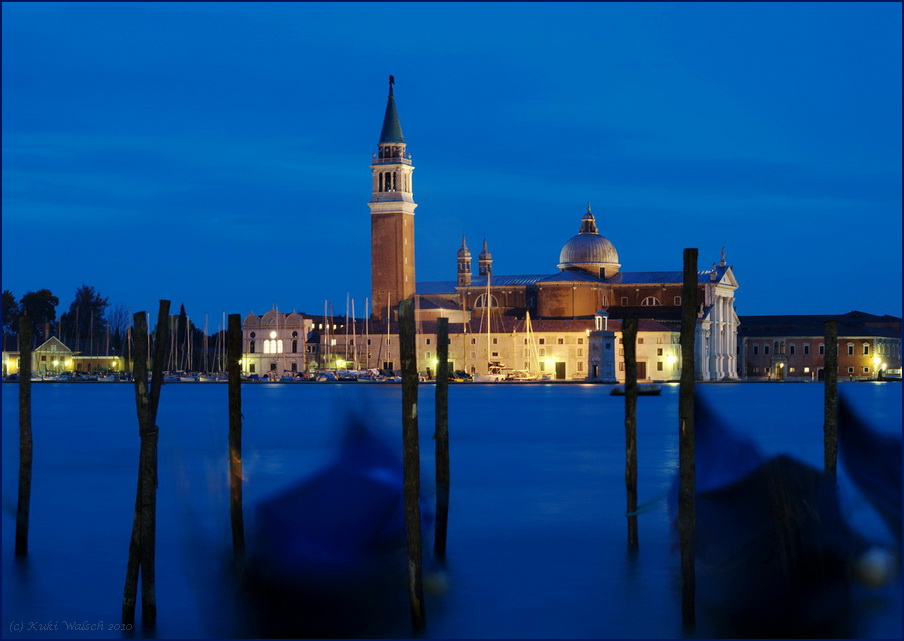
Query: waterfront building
{"x": 275, "y": 343}
{"x": 55, "y": 357}
{"x": 792, "y": 347}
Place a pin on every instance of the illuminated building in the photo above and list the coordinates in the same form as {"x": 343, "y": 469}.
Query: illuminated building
{"x": 792, "y": 347}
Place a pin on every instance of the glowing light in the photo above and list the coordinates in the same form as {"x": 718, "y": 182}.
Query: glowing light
{"x": 876, "y": 361}
{"x": 56, "y": 363}
{"x": 273, "y": 334}
{"x": 340, "y": 364}
{"x": 671, "y": 359}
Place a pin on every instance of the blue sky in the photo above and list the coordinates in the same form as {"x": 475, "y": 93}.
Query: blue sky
{"x": 217, "y": 155}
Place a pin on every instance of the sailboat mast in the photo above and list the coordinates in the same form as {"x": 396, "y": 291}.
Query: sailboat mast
{"x": 346, "y": 326}
{"x": 388, "y": 317}
{"x": 355, "y": 339}
{"x": 489, "y": 320}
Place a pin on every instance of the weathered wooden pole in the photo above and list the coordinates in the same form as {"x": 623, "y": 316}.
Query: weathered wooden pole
{"x": 25, "y": 442}
{"x": 234, "y": 372}
{"x": 412, "y": 461}
{"x": 686, "y": 463}
{"x": 441, "y": 436}
{"x": 629, "y": 339}
{"x": 144, "y": 527}
{"x": 830, "y": 428}
{"x": 140, "y": 380}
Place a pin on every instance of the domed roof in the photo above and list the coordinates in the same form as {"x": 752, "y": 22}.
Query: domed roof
{"x": 588, "y": 250}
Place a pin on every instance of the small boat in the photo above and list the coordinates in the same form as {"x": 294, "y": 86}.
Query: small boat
{"x": 330, "y": 551}
{"x": 774, "y": 554}
{"x": 643, "y": 389}
{"x": 521, "y": 375}
{"x": 873, "y": 461}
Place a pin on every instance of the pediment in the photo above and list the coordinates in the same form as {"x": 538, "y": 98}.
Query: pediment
{"x": 53, "y": 344}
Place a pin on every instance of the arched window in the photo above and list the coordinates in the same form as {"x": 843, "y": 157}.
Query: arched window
{"x": 279, "y": 346}
{"x": 482, "y": 299}
{"x": 294, "y": 346}
{"x": 251, "y": 348}
{"x": 267, "y": 349}
{"x": 649, "y": 301}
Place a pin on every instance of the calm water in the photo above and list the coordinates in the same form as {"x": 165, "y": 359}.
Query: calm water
{"x": 536, "y": 542}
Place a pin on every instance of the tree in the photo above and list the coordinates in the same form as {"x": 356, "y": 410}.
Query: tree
{"x": 40, "y": 307}
{"x": 84, "y": 324}
{"x": 10, "y": 318}
{"x": 119, "y": 320}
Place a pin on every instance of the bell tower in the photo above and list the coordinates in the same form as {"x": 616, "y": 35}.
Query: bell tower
{"x": 391, "y": 217}
{"x": 464, "y": 264}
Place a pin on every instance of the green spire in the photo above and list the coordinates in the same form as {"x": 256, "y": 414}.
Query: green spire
{"x": 392, "y": 128}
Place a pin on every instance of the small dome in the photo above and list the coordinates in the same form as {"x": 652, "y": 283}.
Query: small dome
{"x": 588, "y": 251}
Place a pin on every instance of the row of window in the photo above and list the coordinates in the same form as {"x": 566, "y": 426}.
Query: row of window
{"x": 389, "y": 181}
{"x": 271, "y": 347}
{"x": 660, "y": 366}
{"x": 659, "y": 341}
{"x": 791, "y": 370}
{"x": 659, "y": 352}
{"x": 779, "y": 347}
{"x": 272, "y": 335}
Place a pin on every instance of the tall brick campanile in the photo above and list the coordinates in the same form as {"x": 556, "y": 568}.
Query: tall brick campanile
{"x": 391, "y": 218}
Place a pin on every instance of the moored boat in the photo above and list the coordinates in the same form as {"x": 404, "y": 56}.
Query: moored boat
{"x": 329, "y": 553}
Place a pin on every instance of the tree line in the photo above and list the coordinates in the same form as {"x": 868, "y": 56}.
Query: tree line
{"x": 92, "y": 325}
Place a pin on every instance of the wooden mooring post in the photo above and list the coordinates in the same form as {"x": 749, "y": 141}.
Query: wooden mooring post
{"x": 234, "y": 372}
{"x": 629, "y": 339}
{"x": 144, "y": 525}
{"x": 830, "y": 427}
{"x": 412, "y": 462}
{"x": 23, "y": 508}
{"x": 686, "y": 463}
{"x": 441, "y": 436}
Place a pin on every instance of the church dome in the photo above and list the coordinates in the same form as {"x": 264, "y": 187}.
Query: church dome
{"x": 588, "y": 251}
